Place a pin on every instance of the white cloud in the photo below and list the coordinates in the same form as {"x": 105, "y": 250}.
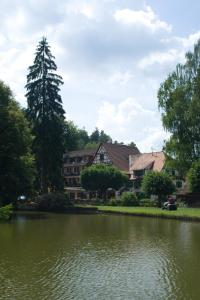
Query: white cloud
{"x": 121, "y": 78}
{"x": 174, "y": 53}
{"x": 170, "y": 56}
{"x": 141, "y": 18}
{"x": 130, "y": 121}
{"x": 84, "y": 8}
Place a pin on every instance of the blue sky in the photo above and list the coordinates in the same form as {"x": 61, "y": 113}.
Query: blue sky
{"x": 112, "y": 54}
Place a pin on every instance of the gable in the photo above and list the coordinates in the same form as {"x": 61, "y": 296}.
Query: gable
{"x": 101, "y": 156}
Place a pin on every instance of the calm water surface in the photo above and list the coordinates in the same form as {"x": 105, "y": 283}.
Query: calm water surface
{"x": 87, "y": 257}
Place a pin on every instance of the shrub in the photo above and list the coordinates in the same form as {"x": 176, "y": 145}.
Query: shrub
{"x": 158, "y": 184}
{"x": 114, "y": 202}
{"x": 129, "y": 199}
{"x": 147, "y": 202}
{"x": 194, "y": 177}
{"x": 6, "y": 212}
{"x": 53, "y": 202}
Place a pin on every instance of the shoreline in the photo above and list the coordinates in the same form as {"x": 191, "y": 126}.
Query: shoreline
{"x": 182, "y": 214}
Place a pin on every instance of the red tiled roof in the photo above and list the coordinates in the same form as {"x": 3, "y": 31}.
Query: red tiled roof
{"x": 153, "y": 160}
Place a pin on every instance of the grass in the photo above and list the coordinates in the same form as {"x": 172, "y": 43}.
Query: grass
{"x": 190, "y": 214}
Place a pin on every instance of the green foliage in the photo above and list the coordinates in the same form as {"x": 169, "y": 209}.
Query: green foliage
{"x": 115, "y": 202}
{"x": 75, "y": 138}
{"x": 147, "y": 202}
{"x": 91, "y": 145}
{"x": 47, "y": 117}
{"x": 101, "y": 177}
{"x": 194, "y": 177}
{"x": 132, "y": 145}
{"x": 157, "y": 183}
{"x": 179, "y": 100}
{"x": 16, "y": 160}
{"x": 99, "y": 137}
{"x": 55, "y": 202}
{"x": 129, "y": 199}
{"x": 6, "y": 212}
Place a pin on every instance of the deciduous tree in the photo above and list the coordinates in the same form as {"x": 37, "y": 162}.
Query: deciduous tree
{"x": 194, "y": 177}
{"x": 158, "y": 184}
{"x": 101, "y": 177}
{"x": 179, "y": 101}
{"x": 16, "y": 160}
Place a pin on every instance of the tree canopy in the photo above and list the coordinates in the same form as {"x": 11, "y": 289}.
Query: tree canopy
{"x": 46, "y": 114}
{"x": 157, "y": 183}
{"x": 16, "y": 160}
{"x": 179, "y": 101}
{"x": 101, "y": 177}
{"x": 194, "y": 177}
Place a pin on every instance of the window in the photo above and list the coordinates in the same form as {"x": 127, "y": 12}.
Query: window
{"x": 139, "y": 173}
{"x": 101, "y": 157}
{"x": 179, "y": 184}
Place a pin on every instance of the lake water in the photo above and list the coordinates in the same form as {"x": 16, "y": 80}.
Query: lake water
{"x": 87, "y": 257}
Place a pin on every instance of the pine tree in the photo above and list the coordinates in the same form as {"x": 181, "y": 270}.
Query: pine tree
{"x": 46, "y": 114}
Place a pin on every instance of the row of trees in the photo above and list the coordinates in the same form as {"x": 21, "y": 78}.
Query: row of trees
{"x": 76, "y": 138}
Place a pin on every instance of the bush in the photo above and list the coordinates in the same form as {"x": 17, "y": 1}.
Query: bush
{"x": 129, "y": 199}
{"x": 53, "y": 202}
{"x": 6, "y": 212}
{"x": 114, "y": 202}
{"x": 147, "y": 202}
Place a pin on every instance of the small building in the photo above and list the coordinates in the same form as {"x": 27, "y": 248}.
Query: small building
{"x": 142, "y": 163}
{"x": 153, "y": 161}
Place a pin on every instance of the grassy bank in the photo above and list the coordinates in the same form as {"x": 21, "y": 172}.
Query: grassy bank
{"x": 187, "y": 214}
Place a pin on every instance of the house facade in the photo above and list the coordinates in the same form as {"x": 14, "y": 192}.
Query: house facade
{"x": 106, "y": 153}
{"x": 74, "y": 163}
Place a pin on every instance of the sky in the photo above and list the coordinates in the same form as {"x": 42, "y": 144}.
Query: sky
{"x": 112, "y": 54}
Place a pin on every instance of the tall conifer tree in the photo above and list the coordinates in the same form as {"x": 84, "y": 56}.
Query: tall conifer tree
{"x": 46, "y": 113}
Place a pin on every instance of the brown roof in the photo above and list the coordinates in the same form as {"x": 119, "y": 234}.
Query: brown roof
{"x": 154, "y": 161}
{"x": 119, "y": 155}
{"x": 79, "y": 153}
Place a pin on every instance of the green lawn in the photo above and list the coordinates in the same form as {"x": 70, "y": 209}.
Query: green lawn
{"x": 180, "y": 213}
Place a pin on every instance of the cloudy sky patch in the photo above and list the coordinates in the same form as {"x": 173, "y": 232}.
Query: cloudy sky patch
{"x": 112, "y": 54}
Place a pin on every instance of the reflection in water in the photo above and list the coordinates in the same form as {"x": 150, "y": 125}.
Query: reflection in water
{"x": 98, "y": 257}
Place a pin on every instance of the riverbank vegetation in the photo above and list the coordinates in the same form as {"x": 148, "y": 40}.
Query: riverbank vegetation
{"x": 53, "y": 202}
{"x": 6, "y": 212}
